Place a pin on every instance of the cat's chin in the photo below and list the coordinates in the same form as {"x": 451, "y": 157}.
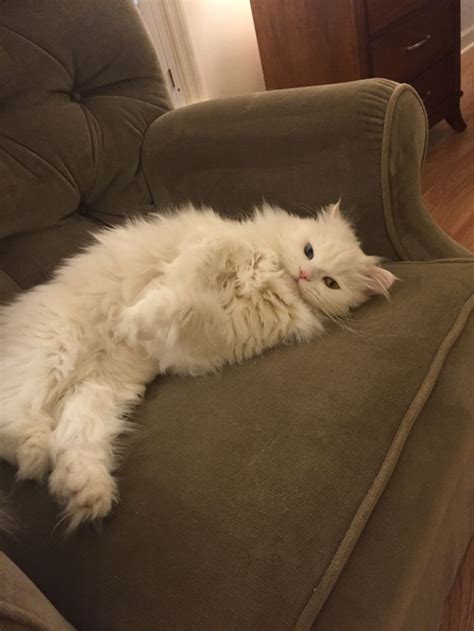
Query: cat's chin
{"x": 293, "y": 282}
{"x": 303, "y": 293}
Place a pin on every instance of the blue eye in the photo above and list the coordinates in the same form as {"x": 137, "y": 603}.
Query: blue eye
{"x": 308, "y": 250}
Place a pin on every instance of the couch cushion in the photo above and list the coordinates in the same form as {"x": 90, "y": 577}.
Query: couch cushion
{"x": 22, "y": 606}
{"x": 417, "y": 534}
{"x": 245, "y": 493}
{"x": 30, "y": 258}
{"x": 79, "y": 87}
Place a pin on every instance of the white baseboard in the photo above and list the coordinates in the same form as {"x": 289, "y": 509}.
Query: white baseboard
{"x": 467, "y": 39}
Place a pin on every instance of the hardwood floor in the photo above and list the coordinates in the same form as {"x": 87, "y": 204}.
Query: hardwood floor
{"x": 448, "y": 176}
{"x": 448, "y": 190}
{"x": 458, "y": 613}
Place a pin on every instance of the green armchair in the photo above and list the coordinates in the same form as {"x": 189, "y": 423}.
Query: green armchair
{"x": 325, "y": 486}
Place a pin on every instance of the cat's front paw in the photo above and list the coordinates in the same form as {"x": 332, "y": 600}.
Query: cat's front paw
{"x": 150, "y": 318}
{"x": 85, "y": 488}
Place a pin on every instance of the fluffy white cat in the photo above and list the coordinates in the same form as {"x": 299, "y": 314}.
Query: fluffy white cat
{"x": 186, "y": 292}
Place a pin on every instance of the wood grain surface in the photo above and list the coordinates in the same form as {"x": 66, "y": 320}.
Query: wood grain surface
{"x": 306, "y": 43}
{"x": 448, "y": 176}
{"x": 458, "y": 614}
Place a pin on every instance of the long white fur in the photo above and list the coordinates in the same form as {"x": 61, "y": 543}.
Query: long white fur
{"x": 186, "y": 292}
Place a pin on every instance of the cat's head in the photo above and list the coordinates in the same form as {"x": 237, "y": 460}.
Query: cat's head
{"x": 326, "y": 263}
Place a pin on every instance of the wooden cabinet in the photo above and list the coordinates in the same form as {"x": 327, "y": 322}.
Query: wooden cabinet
{"x": 313, "y": 42}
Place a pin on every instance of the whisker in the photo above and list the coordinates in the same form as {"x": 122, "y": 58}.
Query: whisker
{"x": 350, "y": 324}
{"x": 308, "y": 209}
{"x": 338, "y": 320}
{"x": 59, "y": 522}
{"x": 358, "y": 327}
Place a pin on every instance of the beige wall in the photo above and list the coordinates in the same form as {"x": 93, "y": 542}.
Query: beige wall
{"x": 467, "y": 23}
{"x": 225, "y": 46}
{"x": 467, "y": 14}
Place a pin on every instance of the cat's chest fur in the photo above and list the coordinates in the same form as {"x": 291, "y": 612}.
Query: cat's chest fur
{"x": 259, "y": 299}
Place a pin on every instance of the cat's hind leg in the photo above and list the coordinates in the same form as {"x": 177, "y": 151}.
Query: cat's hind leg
{"x": 38, "y": 350}
{"x": 25, "y": 422}
{"x": 26, "y": 444}
{"x": 84, "y": 448}
{"x": 33, "y": 448}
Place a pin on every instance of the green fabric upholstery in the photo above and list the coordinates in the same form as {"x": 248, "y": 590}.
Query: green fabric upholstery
{"x": 363, "y": 141}
{"x": 286, "y": 492}
{"x": 79, "y": 87}
{"x": 244, "y": 493}
{"x": 419, "y": 530}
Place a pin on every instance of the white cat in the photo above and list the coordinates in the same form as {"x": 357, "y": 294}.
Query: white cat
{"x": 186, "y": 292}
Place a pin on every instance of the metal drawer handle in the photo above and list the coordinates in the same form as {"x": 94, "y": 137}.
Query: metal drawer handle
{"x": 419, "y": 44}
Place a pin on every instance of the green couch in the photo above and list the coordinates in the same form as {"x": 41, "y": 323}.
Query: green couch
{"x": 326, "y": 486}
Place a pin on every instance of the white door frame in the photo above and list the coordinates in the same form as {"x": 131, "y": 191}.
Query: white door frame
{"x": 168, "y": 31}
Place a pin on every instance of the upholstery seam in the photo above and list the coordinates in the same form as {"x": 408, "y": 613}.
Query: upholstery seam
{"x": 50, "y": 55}
{"x": 73, "y": 185}
{"x": 123, "y": 96}
{"x": 99, "y": 149}
{"x": 422, "y": 105}
{"x": 141, "y": 161}
{"x": 17, "y": 161}
{"x": 461, "y": 259}
{"x": 386, "y": 177}
{"x": 322, "y": 590}
{"x": 385, "y": 170}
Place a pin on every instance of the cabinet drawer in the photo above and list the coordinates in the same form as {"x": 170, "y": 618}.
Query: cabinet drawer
{"x": 381, "y": 13}
{"x": 408, "y": 48}
{"x": 436, "y": 84}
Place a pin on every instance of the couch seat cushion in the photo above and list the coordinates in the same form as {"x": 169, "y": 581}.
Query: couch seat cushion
{"x": 244, "y": 494}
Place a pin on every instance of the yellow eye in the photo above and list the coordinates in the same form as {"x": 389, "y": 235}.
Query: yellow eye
{"x": 330, "y": 282}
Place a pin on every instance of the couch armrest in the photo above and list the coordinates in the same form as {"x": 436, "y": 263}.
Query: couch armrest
{"x": 364, "y": 141}
{"x": 22, "y": 605}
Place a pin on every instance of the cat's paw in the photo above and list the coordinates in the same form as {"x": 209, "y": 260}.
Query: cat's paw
{"x": 149, "y": 318}
{"x": 85, "y": 489}
{"x": 32, "y": 456}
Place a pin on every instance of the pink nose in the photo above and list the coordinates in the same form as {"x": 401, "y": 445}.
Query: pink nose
{"x": 304, "y": 275}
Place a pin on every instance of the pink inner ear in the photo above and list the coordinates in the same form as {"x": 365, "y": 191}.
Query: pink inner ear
{"x": 379, "y": 281}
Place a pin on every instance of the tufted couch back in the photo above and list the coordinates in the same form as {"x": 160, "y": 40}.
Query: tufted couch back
{"x": 79, "y": 86}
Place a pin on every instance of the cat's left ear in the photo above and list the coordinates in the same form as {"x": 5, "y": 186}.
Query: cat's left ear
{"x": 379, "y": 281}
